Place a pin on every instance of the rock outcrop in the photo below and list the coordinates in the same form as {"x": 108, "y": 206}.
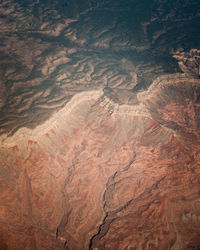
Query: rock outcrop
{"x": 99, "y": 125}
{"x": 103, "y": 175}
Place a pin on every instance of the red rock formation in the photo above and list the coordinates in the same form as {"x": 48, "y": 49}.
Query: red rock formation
{"x": 100, "y": 175}
{"x": 99, "y": 147}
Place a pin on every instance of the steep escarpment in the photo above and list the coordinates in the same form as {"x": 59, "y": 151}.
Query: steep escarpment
{"x": 99, "y": 125}
{"x": 50, "y": 51}
{"x": 103, "y": 175}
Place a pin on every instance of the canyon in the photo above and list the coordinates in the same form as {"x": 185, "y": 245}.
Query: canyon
{"x": 103, "y": 175}
{"x": 99, "y": 125}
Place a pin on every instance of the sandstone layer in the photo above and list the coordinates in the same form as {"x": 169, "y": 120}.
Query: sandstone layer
{"x": 99, "y": 125}
{"x": 103, "y": 175}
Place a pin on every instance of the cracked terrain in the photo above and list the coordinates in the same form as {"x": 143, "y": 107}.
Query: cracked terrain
{"x": 99, "y": 125}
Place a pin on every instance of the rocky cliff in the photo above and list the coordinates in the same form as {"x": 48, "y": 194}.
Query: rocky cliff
{"x": 103, "y": 175}
{"x": 99, "y": 125}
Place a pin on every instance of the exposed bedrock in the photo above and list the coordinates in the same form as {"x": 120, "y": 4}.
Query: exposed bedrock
{"x": 99, "y": 125}
{"x": 105, "y": 175}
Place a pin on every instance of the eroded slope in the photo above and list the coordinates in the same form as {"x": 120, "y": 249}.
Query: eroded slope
{"x": 101, "y": 175}
{"x": 99, "y": 136}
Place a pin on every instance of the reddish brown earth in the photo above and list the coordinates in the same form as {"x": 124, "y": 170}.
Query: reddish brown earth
{"x": 99, "y": 125}
{"x": 98, "y": 175}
